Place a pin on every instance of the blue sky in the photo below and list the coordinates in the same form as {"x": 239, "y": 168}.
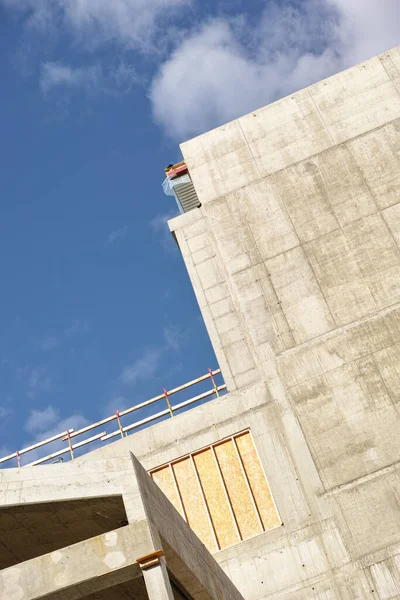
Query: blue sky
{"x": 97, "y": 309}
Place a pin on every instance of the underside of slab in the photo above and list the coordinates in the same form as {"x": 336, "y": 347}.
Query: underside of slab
{"x": 30, "y": 530}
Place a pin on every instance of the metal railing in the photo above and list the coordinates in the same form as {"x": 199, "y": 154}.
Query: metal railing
{"x": 122, "y": 431}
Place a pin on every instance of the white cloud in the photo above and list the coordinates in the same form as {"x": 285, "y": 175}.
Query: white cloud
{"x": 367, "y": 27}
{"x": 117, "y": 402}
{"x": 75, "y": 421}
{"x": 37, "y": 380}
{"x": 42, "y": 424}
{"x": 117, "y": 234}
{"x": 143, "y": 368}
{"x": 160, "y": 222}
{"x": 55, "y": 75}
{"x": 159, "y": 226}
{"x": 230, "y": 67}
{"x": 175, "y": 336}
{"x": 5, "y": 451}
{"x": 5, "y": 412}
{"x": 40, "y": 420}
{"x": 124, "y": 77}
{"x": 116, "y": 79}
{"x": 219, "y": 69}
{"x": 133, "y": 23}
{"x": 78, "y": 327}
{"x": 49, "y": 343}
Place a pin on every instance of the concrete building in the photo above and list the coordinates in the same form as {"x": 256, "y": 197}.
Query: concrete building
{"x": 294, "y": 257}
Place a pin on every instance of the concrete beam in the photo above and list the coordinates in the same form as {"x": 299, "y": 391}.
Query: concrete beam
{"x": 73, "y": 480}
{"x": 76, "y": 571}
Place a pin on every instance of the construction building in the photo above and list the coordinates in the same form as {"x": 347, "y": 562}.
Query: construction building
{"x": 290, "y": 481}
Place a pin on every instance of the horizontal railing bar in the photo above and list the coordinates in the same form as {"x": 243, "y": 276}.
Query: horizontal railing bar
{"x": 65, "y": 450}
{"x": 162, "y": 413}
{"x": 127, "y": 411}
{"x": 48, "y": 457}
{"x": 193, "y": 382}
{"x": 73, "y": 433}
{"x": 169, "y": 393}
{"x": 88, "y": 440}
{"x": 132, "y": 409}
{"x": 137, "y": 424}
{"x": 89, "y": 427}
{"x": 174, "y": 408}
{"x": 35, "y": 446}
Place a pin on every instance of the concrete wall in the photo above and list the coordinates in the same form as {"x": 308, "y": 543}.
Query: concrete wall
{"x": 295, "y": 261}
{"x": 294, "y": 258}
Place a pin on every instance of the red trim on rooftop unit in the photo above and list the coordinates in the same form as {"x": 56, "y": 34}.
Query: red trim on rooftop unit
{"x": 177, "y": 171}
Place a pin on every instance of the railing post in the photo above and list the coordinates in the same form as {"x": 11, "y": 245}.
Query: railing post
{"x": 119, "y": 423}
{"x": 18, "y": 459}
{"x": 168, "y": 403}
{"x": 213, "y": 382}
{"x": 70, "y": 444}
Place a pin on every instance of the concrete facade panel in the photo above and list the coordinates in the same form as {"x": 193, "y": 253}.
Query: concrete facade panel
{"x": 377, "y": 155}
{"x": 285, "y": 132}
{"x": 305, "y": 195}
{"x": 344, "y": 186}
{"x": 377, "y": 257}
{"x": 392, "y": 219}
{"x": 260, "y": 206}
{"x": 298, "y": 292}
{"x": 379, "y": 527}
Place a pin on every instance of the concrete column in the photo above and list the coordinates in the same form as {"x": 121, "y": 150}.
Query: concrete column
{"x": 157, "y": 582}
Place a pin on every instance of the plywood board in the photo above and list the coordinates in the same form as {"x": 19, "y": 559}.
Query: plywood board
{"x": 192, "y": 501}
{"x": 217, "y": 502}
{"x": 238, "y": 491}
{"x": 165, "y": 481}
{"x": 258, "y": 483}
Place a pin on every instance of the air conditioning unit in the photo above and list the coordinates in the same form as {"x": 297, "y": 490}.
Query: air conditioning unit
{"x": 179, "y": 184}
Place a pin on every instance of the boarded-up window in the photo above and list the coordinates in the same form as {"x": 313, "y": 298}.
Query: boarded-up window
{"x": 221, "y": 491}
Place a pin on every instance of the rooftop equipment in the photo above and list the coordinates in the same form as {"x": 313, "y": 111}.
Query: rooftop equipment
{"x": 179, "y": 184}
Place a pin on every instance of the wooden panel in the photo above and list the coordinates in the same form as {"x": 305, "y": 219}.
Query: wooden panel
{"x": 193, "y": 502}
{"x": 258, "y": 483}
{"x": 239, "y": 494}
{"x": 217, "y": 502}
{"x": 165, "y": 481}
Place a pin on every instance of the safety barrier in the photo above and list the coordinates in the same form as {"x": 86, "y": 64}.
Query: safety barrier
{"x": 69, "y": 435}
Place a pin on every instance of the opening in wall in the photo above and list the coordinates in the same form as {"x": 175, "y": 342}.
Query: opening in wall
{"x": 221, "y": 491}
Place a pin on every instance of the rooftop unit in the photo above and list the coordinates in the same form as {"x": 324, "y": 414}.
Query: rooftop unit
{"x": 179, "y": 184}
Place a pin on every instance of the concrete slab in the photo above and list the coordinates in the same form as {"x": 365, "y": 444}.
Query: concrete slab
{"x": 30, "y": 530}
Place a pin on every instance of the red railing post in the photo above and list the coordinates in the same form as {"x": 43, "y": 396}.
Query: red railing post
{"x": 213, "y": 382}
